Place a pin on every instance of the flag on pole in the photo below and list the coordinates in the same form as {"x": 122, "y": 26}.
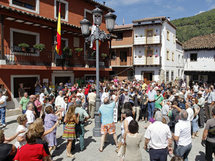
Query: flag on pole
{"x": 58, "y": 46}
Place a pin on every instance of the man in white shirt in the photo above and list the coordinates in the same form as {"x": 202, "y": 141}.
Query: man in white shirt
{"x": 59, "y": 101}
{"x": 158, "y": 139}
{"x": 182, "y": 136}
{"x": 3, "y": 102}
{"x": 188, "y": 109}
{"x": 30, "y": 114}
{"x": 92, "y": 102}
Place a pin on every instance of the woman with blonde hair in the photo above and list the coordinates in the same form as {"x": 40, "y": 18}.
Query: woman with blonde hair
{"x": 22, "y": 120}
{"x": 69, "y": 132}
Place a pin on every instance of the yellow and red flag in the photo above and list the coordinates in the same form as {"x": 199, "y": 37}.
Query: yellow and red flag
{"x": 58, "y": 46}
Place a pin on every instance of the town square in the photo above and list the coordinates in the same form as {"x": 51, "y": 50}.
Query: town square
{"x": 107, "y": 80}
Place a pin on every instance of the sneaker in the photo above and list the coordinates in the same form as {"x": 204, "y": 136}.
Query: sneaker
{"x": 3, "y": 125}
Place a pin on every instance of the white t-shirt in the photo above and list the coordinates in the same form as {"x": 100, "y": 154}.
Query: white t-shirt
{"x": 30, "y": 116}
{"x": 3, "y": 99}
{"x": 123, "y": 128}
{"x": 42, "y": 95}
{"x": 183, "y": 131}
{"x": 20, "y": 128}
{"x": 190, "y": 114}
{"x": 59, "y": 101}
{"x": 158, "y": 133}
{"x": 165, "y": 110}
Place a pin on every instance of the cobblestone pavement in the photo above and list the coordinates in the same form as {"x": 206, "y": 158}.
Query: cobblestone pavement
{"x": 91, "y": 152}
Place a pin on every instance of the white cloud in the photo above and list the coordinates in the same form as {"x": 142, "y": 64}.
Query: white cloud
{"x": 199, "y": 12}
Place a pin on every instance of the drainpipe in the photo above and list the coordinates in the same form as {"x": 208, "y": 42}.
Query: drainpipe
{"x": 2, "y": 36}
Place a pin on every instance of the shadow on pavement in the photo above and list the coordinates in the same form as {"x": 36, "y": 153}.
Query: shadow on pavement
{"x": 87, "y": 142}
{"x": 200, "y": 156}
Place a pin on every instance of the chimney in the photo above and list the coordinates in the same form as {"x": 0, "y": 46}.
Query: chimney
{"x": 104, "y": 3}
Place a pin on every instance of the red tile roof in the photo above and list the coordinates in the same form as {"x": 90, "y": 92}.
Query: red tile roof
{"x": 200, "y": 42}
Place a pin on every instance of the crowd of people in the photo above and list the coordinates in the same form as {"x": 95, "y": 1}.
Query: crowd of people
{"x": 173, "y": 113}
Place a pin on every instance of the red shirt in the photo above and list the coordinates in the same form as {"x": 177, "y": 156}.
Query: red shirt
{"x": 31, "y": 152}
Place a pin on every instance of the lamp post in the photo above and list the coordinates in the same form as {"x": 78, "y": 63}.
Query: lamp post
{"x": 96, "y": 36}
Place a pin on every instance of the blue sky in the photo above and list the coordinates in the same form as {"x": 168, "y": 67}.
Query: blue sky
{"x": 137, "y": 9}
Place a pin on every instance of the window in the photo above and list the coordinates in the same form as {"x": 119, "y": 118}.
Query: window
{"x": 21, "y": 36}
{"x": 178, "y": 72}
{"x": 28, "y": 5}
{"x": 167, "y": 35}
{"x": 123, "y": 56}
{"x": 167, "y": 55}
{"x": 88, "y": 14}
{"x": 173, "y": 56}
{"x": 167, "y": 76}
{"x": 149, "y": 52}
{"x": 64, "y": 43}
{"x": 172, "y": 75}
{"x": 76, "y": 42}
{"x": 193, "y": 57}
{"x": 149, "y": 33}
{"x": 174, "y": 39}
{"x": 178, "y": 58}
{"x": 119, "y": 36}
{"x": 64, "y": 9}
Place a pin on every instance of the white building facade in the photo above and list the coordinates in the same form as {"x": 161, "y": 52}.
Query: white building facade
{"x": 157, "y": 55}
{"x": 199, "y": 53}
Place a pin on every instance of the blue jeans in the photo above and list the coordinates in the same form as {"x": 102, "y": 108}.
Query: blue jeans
{"x": 158, "y": 154}
{"x": 2, "y": 114}
{"x": 80, "y": 133}
{"x": 151, "y": 107}
{"x": 183, "y": 151}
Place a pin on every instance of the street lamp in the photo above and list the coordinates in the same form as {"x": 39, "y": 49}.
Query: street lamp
{"x": 96, "y": 36}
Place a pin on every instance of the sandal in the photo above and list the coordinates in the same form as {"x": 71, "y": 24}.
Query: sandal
{"x": 101, "y": 150}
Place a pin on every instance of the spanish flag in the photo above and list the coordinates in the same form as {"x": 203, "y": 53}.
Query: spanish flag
{"x": 58, "y": 46}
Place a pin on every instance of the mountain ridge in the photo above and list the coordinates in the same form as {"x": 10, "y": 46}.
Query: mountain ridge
{"x": 197, "y": 25}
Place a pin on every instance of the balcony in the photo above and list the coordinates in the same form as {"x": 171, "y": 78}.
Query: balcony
{"x": 17, "y": 56}
{"x": 149, "y": 60}
{"x": 30, "y": 56}
{"x": 139, "y": 40}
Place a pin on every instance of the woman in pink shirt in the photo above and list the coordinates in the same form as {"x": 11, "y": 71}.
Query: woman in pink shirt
{"x": 37, "y": 103}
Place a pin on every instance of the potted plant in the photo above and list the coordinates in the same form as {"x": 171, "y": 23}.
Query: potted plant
{"x": 103, "y": 55}
{"x": 78, "y": 51}
{"x": 67, "y": 52}
{"x": 39, "y": 47}
{"x": 23, "y": 46}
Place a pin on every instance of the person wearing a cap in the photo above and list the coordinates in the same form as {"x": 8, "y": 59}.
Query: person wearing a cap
{"x": 208, "y": 138}
{"x": 182, "y": 136}
{"x": 151, "y": 102}
{"x": 209, "y": 103}
{"x": 201, "y": 103}
{"x": 158, "y": 141}
{"x": 106, "y": 111}
{"x": 92, "y": 102}
{"x": 3, "y": 103}
{"x": 59, "y": 100}
{"x": 83, "y": 116}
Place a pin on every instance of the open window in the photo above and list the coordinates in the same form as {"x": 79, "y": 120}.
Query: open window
{"x": 28, "y": 5}
{"x": 193, "y": 57}
{"x": 18, "y": 37}
{"x": 64, "y": 9}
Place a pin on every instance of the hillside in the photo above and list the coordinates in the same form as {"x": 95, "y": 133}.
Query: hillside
{"x": 201, "y": 24}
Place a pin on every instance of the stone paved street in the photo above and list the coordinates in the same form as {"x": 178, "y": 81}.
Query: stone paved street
{"x": 91, "y": 152}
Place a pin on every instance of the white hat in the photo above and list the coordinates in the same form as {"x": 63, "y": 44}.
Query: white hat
{"x": 200, "y": 92}
{"x": 78, "y": 94}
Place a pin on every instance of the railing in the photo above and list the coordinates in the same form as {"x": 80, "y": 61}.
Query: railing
{"x": 147, "y": 40}
{"x": 149, "y": 60}
{"x": 29, "y": 56}
{"x": 17, "y": 56}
